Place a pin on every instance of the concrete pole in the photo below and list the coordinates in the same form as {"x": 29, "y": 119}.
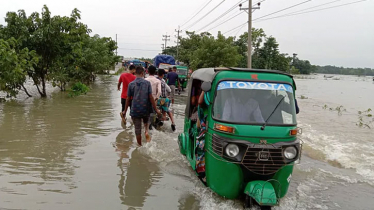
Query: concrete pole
{"x": 249, "y": 63}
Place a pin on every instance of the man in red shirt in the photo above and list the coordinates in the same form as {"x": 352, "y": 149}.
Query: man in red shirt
{"x": 125, "y": 80}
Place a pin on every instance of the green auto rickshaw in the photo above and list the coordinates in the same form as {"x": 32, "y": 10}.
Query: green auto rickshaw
{"x": 182, "y": 72}
{"x": 241, "y": 137}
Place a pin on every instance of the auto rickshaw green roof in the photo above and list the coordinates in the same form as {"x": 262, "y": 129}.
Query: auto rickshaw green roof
{"x": 208, "y": 74}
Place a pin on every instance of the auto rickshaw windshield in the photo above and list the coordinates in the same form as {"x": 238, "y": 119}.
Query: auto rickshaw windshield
{"x": 254, "y": 103}
{"x": 182, "y": 72}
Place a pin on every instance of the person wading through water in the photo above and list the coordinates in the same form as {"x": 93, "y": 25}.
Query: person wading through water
{"x": 156, "y": 86}
{"x": 125, "y": 80}
{"x": 172, "y": 78}
{"x": 139, "y": 95}
{"x": 163, "y": 101}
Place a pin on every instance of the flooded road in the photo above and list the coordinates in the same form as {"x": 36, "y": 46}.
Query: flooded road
{"x": 73, "y": 153}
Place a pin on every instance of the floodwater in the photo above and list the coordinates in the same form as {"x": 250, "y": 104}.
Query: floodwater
{"x": 74, "y": 153}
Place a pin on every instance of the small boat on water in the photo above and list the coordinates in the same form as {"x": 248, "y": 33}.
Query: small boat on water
{"x": 329, "y": 76}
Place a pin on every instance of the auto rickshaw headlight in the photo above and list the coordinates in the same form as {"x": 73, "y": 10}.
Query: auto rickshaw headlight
{"x": 290, "y": 152}
{"x": 232, "y": 150}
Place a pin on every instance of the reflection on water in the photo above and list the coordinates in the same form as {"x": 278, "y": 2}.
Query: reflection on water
{"x": 137, "y": 173}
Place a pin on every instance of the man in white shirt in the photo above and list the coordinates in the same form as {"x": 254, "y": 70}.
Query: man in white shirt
{"x": 156, "y": 87}
{"x": 240, "y": 109}
{"x": 155, "y": 83}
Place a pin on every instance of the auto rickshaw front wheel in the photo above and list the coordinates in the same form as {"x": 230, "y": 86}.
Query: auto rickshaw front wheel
{"x": 249, "y": 202}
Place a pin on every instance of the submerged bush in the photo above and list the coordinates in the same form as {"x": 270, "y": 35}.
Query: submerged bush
{"x": 365, "y": 119}
{"x": 78, "y": 89}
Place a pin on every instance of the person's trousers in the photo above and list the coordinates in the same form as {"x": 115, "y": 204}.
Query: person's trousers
{"x": 138, "y": 124}
{"x": 123, "y": 102}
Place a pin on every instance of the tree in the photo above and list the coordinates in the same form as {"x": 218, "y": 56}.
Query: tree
{"x": 265, "y": 52}
{"x": 14, "y": 66}
{"x": 170, "y": 51}
{"x": 65, "y": 50}
{"x": 345, "y": 71}
{"x": 189, "y": 45}
{"x": 214, "y": 52}
{"x": 303, "y": 66}
{"x": 269, "y": 57}
{"x": 258, "y": 35}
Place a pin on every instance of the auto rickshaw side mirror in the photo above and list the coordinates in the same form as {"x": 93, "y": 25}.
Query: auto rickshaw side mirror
{"x": 206, "y": 86}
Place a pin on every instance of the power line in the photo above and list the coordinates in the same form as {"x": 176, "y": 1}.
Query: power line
{"x": 197, "y": 13}
{"x": 241, "y": 25}
{"x": 258, "y": 3}
{"x": 240, "y": 29}
{"x": 300, "y": 13}
{"x": 222, "y": 15}
{"x": 136, "y": 43}
{"x": 178, "y": 31}
{"x": 226, "y": 21}
{"x": 283, "y": 9}
{"x": 137, "y": 49}
{"x": 165, "y": 38}
{"x": 205, "y": 15}
{"x": 316, "y": 6}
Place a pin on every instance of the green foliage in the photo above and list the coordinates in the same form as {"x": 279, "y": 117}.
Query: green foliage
{"x": 265, "y": 51}
{"x": 170, "y": 51}
{"x": 204, "y": 50}
{"x": 303, "y": 97}
{"x": 120, "y": 70}
{"x": 344, "y": 71}
{"x": 294, "y": 70}
{"x": 365, "y": 119}
{"x": 14, "y": 66}
{"x": 78, "y": 89}
{"x": 215, "y": 52}
{"x": 340, "y": 109}
{"x": 66, "y": 51}
{"x": 303, "y": 66}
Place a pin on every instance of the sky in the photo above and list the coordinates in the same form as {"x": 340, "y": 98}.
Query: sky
{"x": 341, "y": 36}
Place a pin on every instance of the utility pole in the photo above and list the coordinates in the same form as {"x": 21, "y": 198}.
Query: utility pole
{"x": 163, "y": 46}
{"x": 166, "y": 39}
{"x": 178, "y": 31}
{"x": 116, "y": 44}
{"x": 249, "y": 11}
{"x": 293, "y": 60}
{"x": 249, "y": 61}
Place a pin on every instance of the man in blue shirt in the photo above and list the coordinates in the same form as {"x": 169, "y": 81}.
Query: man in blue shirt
{"x": 139, "y": 94}
{"x": 172, "y": 77}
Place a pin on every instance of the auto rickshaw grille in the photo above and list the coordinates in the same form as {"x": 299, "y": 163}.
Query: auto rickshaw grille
{"x": 263, "y": 161}
{"x": 217, "y": 145}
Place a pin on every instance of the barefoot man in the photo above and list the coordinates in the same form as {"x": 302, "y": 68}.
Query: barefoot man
{"x": 125, "y": 80}
{"x": 139, "y": 94}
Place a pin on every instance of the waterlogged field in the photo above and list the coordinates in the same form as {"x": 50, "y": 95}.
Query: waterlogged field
{"x": 73, "y": 153}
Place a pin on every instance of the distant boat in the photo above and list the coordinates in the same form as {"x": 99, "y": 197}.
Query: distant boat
{"x": 328, "y": 76}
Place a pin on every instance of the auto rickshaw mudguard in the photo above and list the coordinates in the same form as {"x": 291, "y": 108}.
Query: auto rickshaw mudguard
{"x": 262, "y": 192}
{"x": 224, "y": 178}
{"x": 182, "y": 141}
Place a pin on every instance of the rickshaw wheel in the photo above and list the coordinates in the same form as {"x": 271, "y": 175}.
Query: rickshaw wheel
{"x": 265, "y": 207}
{"x": 248, "y": 202}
